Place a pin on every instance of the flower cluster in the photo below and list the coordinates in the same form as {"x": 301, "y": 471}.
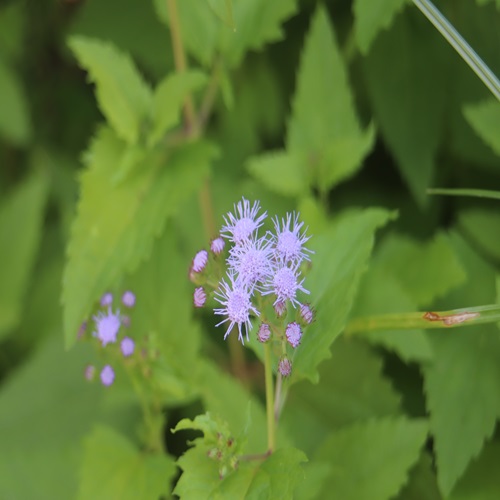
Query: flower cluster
{"x": 261, "y": 270}
{"x": 107, "y": 331}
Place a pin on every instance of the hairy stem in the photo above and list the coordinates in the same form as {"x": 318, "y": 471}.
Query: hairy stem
{"x": 271, "y": 438}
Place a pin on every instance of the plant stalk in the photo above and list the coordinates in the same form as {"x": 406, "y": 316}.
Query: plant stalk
{"x": 271, "y": 437}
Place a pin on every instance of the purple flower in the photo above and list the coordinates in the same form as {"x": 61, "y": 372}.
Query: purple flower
{"x": 127, "y": 346}
{"x": 200, "y": 261}
{"x": 306, "y": 313}
{"x": 128, "y": 299}
{"x": 107, "y": 375}
{"x": 240, "y": 227}
{"x": 89, "y": 372}
{"x": 289, "y": 242}
{"x": 280, "y": 308}
{"x": 285, "y": 284}
{"x": 264, "y": 333}
{"x": 106, "y": 299}
{"x": 217, "y": 245}
{"x": 285, "y": 367}
{"x": 237, "y": 306}
{"x": 200, "y": 297}
{"x": 107, "y": 326}
{"x": 293, "y": 334}
{"x": 251, "y": 261}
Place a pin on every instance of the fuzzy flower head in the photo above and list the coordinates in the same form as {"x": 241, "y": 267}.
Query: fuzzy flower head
{"x": 285, "y": 367}
{"x": 107, "y": 375}
{"x": 199, "y": 297}
{"x": 306, "y": 313}
{"x": 128, "y": 299}
{"x": 264, "y": 333}
{"x": 127, "y": 346}
{"x": 240, "y": 227}
{"x": 236, "y": 299}
{"x": 251, "y": 261}
{"x": 293, "y": 334}
{"x": 106, "y": 299}
{"x": 217, "y": 245}
{"x": 285, "y": 284}
{"x": 107, "y": 326}
{"x": 200, "y": 261}
{"x": 289, "y": 241}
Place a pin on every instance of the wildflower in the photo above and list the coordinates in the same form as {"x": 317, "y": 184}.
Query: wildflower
{"x": 107, "y": 375}
{"x": 128, "y": 299}
{"x": 237, "y": 306}
{"x": 289, "y": 242}
{"x": 217, "y": 245}
{"x": 200, "y": 261}
{"x": 264, "y": 332}
{"x": 285, "y": 367}
{"x": 280, "y": 308}
{"x": 106, "y": 299}
{"x": 293, "y": 334}
{"x": 251, "y": 261}
{"x": 240, "y": 227}
{"x": 107, "y": 327}
{"x": 89, "y": 372}
{"x": 306, "y": 313}
{"x": 285, "y": 284}
{"x": 127, "y": 346}
{"x": 200, "y": 297}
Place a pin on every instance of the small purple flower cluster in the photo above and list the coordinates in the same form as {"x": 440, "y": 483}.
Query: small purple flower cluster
{"x": 107, "y": 327}
{"x": 257, "y": 266}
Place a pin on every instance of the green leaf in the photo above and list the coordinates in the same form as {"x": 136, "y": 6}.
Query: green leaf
{"x": 481, "y": 226}
{"x": 434, "y": 270}
{"x": 15, "y": 123}
{"x": 168, "y": 100}
{"x": 408, "y": 94}
{"x": 21, "y": 222}
{"x": 114, "y": 468}
{"x": 280, "y": 172}
{"x": 351, "y": 387}
{"x": 324, "y": 126}
{"x": 422, "y": 482}
{"x": 371, "y": 461}
{"x": 115, "y": 225}
{"x": 484, "y": 118}
{"x": 224, "y": 10}
{"x": 371, "y": 17}
{"x": 123, "y": 95}
{"x": 478, "y": 193}
{"x": 342, "y": 253}
{"x": 257, "y": 22}
{"x": 480, "y": 482}
{"x": 12, "y": 30}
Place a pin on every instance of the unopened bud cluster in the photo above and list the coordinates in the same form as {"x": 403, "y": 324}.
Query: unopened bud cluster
{"x": 261, "y": 277}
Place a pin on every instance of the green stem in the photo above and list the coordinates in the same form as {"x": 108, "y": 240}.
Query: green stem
{"x": 271, "y": 443}
{"x": 479, "y": 193}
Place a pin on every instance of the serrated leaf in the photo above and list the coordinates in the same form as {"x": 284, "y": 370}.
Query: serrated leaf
{"x": 281, "y": 172}
{"x": 114, "y": 468}
{"x": 480, "y": 482}
{"x": 168, "y": 99}
{"x": 257, "y": 22}
{"x": 21, "y": 221}
{"x": 426, "y": 271}
{"x": 371, "y": 17}
{"x": 351, "y": 387}
{"x": 371, "y": 461}
{"x": 408, "y": 93}
{"x": 15, "y": 123}
{"x": 481, "y": 226}
{"x": 341, "y": 256}
{"x": 422, "y": 482}
{"x": 484, "y": 118}
{"x": 115, "y": 225}
{"x": 324, "y": 125}
{"x": 123, "y": 95}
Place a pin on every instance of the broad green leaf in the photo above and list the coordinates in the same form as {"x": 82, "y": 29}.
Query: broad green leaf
{"x": 484, "y": 118}
{"x": 342, "y": 253}
{"x": 21, "y": 221}
{"x": 371, "y": 17}
{"x": 275, "y": 477}
{"x": 324, "y": 126}
{"x": 407, "y": 92}
{"x": 462, "y": 385}
{"x": 257, "y": 22}
{"x": 12, "y": 30}
{"x": 380, "y": 292}
{"x": 480, "y": 482}
{"x": 123, "y": 95}
{"x": 481, "y": 226}
{"x": 371, "y": 460}
{"x": 351, "y": 387}
{"x": 280, "y": 172}
{"x": 422, "y": 482}
{"x": 426, "y": 271}
{"x": 15, "y": 125}
{"x": 168, "y": 100}
{"x": 224, "y": 10}
{"x": 115, "y": 225}
{"x": 114, "y": 468}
